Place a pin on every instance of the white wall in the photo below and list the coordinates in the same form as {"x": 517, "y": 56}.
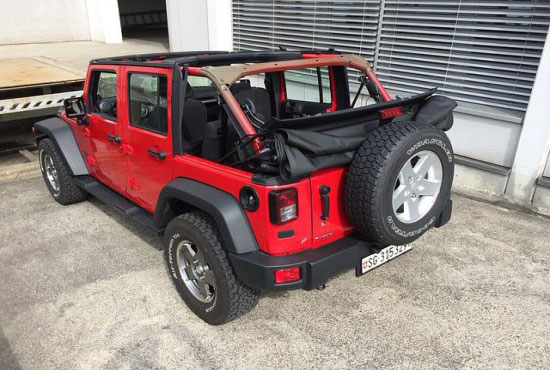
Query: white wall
{"x": 485, "y": 139}
{"x": 104, "y": 21}
{"x": 187, "y": 25}
{"x": 220, "y": 25}
{"x": 199, "y": 25}
{"x": 31, "y": 21}
{"x": 534, "y": 143}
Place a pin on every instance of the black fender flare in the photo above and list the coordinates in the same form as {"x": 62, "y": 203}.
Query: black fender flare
{"x": 225, "y": 209}
{"x": 62, "y": 136}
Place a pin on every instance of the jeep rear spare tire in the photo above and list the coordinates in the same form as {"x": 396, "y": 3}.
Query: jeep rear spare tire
{"x": 399, "y": 181}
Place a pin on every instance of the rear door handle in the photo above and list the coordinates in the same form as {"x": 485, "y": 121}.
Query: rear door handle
{"x": 158, "y": 154}
{"x": 114, "y": 139}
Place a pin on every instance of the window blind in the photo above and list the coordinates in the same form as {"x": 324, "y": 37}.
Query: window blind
{"x": 348, "y": 26}
{"x": 484, "y": 52}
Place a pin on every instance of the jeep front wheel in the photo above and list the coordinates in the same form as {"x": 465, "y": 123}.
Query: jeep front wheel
{"x": 57, "y": 176}
{"x": 201, "y": 271}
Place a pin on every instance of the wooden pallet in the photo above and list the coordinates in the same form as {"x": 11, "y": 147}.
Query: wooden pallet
{"x": 34, "y": 72}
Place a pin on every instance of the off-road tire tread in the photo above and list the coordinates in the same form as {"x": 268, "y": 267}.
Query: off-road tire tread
{"x": 69, "y": 192}
{"x": 365, "y": 177}
{"x": 242, "y": 298}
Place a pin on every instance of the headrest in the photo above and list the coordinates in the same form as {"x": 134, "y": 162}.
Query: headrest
{"x": 240, "y": 86}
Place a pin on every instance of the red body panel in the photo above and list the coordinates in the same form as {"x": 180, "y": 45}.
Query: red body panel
{"x": 337, "y": 224}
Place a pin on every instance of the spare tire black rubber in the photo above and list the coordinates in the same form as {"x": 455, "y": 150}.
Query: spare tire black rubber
{"x": 379, "y": 179}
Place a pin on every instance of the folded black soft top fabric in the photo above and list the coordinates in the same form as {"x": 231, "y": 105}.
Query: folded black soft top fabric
{"x": 303, "y": 151}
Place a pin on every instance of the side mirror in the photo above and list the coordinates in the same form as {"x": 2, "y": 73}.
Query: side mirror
{"x": 74, "y": 107}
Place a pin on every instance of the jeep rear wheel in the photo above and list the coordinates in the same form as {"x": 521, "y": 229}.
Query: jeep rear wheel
{"x": 57, "y": 176}
{"x": 399, "y": 181}
{"x": 201, "y": 271}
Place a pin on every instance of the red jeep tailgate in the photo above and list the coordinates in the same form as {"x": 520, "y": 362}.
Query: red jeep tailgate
{"x": 336, "y": 224}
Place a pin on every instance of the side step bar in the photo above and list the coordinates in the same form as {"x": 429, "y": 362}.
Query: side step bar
{"x": 117, "y": 201}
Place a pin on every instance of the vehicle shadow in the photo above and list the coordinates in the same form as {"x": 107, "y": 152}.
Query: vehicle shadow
{"x": 8, "y": 359}
{"x": 140, "y": 231}
{"x": 281, "y": 293}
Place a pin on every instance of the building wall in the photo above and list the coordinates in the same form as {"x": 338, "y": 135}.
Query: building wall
{"x": 199, "y": 25}
{"x": 31, "y": 21}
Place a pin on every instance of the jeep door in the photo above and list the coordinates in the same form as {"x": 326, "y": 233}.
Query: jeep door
{"x": 106, "y": 161}
{"x": 148, "y": 132}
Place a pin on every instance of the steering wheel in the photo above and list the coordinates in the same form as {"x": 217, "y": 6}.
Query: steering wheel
{"x": 146, "y": 109}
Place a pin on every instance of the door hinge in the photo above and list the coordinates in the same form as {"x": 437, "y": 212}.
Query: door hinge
{"x": 133, "y": 184}
{"x": 127, "y": 149}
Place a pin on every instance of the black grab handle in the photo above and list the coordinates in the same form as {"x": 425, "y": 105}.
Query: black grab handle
{"x": 158, "y": 154}
{"x": 114, "y": 139}
{"x": 325, "y": 201}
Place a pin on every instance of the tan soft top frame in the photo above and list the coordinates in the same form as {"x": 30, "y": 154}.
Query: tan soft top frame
{"x": 227, "y": 75}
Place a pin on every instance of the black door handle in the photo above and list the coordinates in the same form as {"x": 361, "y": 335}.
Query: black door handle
{"x": 114, "y": 139}
{"x": 154, "y": 153}
{"x": 325, "y": 201}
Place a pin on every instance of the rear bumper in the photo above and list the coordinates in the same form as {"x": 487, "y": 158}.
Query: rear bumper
{"x": 257, "y": 269}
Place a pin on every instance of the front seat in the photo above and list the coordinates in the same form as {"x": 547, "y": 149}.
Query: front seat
{"x": 194, "y": 121}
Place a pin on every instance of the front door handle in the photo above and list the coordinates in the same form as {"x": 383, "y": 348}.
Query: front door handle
{"x": 114, "y": 139}
{"x": 159, "y": 154}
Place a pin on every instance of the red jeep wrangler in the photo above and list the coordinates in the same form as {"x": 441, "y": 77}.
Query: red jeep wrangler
{"x": 260, "y": 168}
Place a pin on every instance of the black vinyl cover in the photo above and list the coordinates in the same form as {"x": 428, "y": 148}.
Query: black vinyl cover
{"x": 308, "y": 144}
{"x": 437, "y": 111}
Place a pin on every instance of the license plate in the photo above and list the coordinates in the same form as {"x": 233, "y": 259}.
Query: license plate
{"x": 376, "y": 259}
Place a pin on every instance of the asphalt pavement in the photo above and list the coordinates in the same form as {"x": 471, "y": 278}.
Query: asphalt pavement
{"x": 83, "y": 287}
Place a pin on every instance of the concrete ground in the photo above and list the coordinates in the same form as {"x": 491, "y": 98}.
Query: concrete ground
{"x": 83, "y": 287}
{"x": 77, "y": 54}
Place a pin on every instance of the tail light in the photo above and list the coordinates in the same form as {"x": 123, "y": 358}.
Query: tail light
{"x": 391, "y": 112}
{"x": 283, "y": 206}
{"x": 287, "y": 275}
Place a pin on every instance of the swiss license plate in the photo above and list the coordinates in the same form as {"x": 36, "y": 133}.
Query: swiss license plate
{"x": 376, "y": 259}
